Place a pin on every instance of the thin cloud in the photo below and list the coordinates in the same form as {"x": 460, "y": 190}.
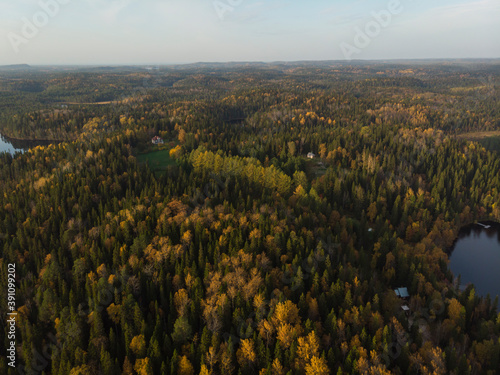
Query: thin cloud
{"x": 108, "y": 11}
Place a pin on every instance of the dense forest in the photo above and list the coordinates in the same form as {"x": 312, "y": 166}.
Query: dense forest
{"x": 226, "y": 250}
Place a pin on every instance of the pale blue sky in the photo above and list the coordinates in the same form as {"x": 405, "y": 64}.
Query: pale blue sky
{"x": 179, "y": 31}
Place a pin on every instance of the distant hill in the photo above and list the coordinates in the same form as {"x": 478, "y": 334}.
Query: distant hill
{"x": 15, "y": 67}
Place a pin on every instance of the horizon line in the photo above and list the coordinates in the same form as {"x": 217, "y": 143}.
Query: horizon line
{"x": 255, "y": 62}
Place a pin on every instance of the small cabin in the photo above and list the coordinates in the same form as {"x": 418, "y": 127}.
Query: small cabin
{"x": 157, "y": 140}
{"x": 402, "y": 293}
{"x": 310, "y": 155}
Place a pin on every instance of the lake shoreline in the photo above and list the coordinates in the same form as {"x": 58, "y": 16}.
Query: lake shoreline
{"x": 9, "y": 138}
{"x": 475, "y": 257}
{"x": 469, "y": 226}
{"x": 15, "y": 145}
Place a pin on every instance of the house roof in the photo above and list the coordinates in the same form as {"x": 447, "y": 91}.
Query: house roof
{"x": 402, "y": 292}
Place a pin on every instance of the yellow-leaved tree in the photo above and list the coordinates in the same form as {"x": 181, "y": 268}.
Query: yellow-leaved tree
{"x": 138, "y": 346}
{"x": 318, "y": 366}
{"x": 286, "y": 319}
{"x": 185, "y": 366}
{"x": 143, "y": 367}
{"x": 277, "y": 368}
{"x": 308, "y": 347}
{"x": 246, "y": 353}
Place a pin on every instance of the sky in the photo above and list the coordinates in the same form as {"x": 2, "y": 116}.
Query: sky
{"x": 120, "y": 32}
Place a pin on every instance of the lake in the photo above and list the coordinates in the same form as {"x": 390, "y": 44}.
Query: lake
{"x": 476, "y": 257}
{"x": 14, "y": 145}
{"x": 6, "y": 146}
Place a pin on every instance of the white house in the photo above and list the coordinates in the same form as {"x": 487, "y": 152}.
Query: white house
{"x": 157, "y": 140}
{"x": 310, "y": 155}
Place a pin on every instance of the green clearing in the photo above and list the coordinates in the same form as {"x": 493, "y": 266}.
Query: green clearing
{"x": 157, "y": 160}
{"x": 491, "y": 143}
{"x": 475, "y": 136}
{"x": 316, "y": 167}
{"x": 488, "y": 139}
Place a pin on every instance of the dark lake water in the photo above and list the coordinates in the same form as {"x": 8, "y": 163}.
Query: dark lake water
{"x": 14, "y": 145}
{"x": 476, "y": 257}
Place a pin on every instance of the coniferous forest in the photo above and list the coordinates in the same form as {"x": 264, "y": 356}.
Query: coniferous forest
{"x": 265, "y": 235}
